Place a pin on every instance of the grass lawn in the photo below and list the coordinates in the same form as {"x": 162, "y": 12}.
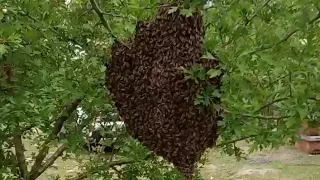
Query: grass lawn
{"x": 286, "y": 163}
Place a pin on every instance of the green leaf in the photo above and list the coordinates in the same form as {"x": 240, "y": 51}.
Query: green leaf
{"x": 172, "y": 10}
{"x": 31, "y": 35}
{"x": 3, "y": 49}
{"x": 1, "y": 15}
{"x": 208, "y": 56}
{"x": 87, "y": 27}
{"x": 102, "y": 68}
{"x": 303, "y": 112}
{"x": 186, "y": 12}
{"x": 213, "y": 73}
{"x": 216, "y": 93}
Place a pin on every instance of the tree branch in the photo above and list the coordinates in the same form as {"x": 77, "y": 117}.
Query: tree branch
{"x": 235, "y": 140}
{"x": 265, "y": 117}
{"x": 49, "y": 162}
{"x": 270, "y": 103}
{"x": 315, "y": 18}
{"x": 19, "y": 149}
{"x": 276, "y": 80}
{"x": 258, "y": 116}
{"x": 314, "y": 99}
{"x": 100, "y": 14}
{"x": 286, "y": 36}
{"x": 64, "y": 115}
{"x": 256, "y": 12}
{"x": 292, "y": 32}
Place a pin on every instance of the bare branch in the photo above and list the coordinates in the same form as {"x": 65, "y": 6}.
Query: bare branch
{"x": 49, "y": 162}
{"x": 19, "y": 149}
{"x": 64, "y": 115}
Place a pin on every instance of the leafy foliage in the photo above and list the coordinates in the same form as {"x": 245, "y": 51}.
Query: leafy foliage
{"x": 53, "y": 52}
{"x": 269, "y": 52}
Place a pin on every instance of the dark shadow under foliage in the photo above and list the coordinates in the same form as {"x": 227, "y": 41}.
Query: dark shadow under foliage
{"x": 152, "y": 95}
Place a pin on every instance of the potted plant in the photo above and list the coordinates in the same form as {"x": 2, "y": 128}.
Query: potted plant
{"x": 310, "y": 127}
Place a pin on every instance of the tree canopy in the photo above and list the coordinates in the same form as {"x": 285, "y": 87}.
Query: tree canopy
{"x": 52, "y": 61}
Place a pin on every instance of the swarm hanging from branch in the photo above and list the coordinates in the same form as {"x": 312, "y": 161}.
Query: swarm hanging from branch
{"x": 154, "y": 99}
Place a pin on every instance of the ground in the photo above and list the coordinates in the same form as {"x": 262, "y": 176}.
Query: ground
{"x": 285, "y": 163}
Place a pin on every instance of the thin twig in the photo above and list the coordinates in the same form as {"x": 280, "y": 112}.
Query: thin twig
{"x": 292, "y": 32}
{"x": 257, "y": 77}
{"x": 64, "y": 115}
{"x": 266, "y": 105}
{"x": 290, "y": 84}
{"x": 276, "y": 80}
{"x": 270, "y": 103}
{"x": 285, "y": 37}
{"x": 85, "y": 13}
{"x": 257, "y": 116}
{"x": 256, "y": 12}
{"x": 314, "y": 99}
{"x": 265, "y": 117}
{"x": 315, "y": 18}
{"x": 112, "y": 155}
{"x": 235, "y": 140}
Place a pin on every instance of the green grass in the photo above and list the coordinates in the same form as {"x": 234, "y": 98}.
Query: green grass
{"x": 286, "y": 163}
